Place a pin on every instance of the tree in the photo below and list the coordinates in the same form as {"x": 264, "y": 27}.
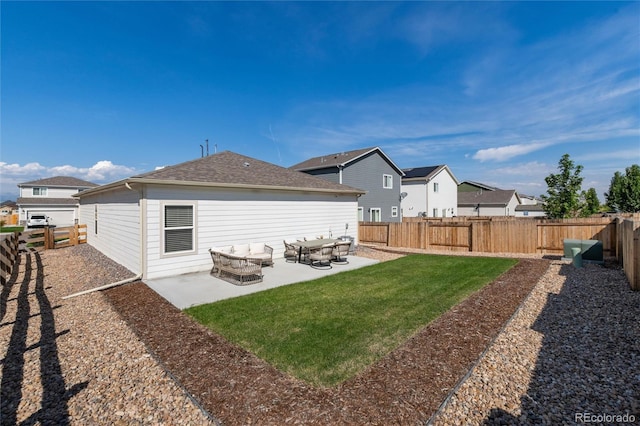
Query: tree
{"x": 564, "y": 189}
{"x": 590, "y": 203}
{"x": 624, "y": 190}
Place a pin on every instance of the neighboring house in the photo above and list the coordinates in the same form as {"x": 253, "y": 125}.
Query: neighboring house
{"x": 530, "y": 210}
{"x": 9, "y": 212}
{"x": 530, "y": 206}
{"x": 8, "y": 208}
{"x": 498, "y": 202}
{"x": 52, "y": 197}
{"x": 471, "y": 186}
{"x": 162, "y": 223}
{"x": 429, "y": 192}
{"x": 369, "y": 169}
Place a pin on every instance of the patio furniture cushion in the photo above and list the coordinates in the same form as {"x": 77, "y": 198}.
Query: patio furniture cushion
{"x": 256, "y": 248}
{"x": 223, "y": 249}
{"x": 241, "y": 250}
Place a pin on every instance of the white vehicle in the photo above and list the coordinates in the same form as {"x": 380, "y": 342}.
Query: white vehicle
{"x": 38, "y": 221}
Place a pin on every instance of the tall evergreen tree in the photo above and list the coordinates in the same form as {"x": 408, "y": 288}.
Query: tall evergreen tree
{"x": 563, "y": 199}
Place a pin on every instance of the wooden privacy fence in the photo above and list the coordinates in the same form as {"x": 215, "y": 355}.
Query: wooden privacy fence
{"x": 630, "y": 250}
{"x": 36, "y": 240}
{"x": 8, "y": 254}
{"x": 491, "y": 236}
{"x": 620, "y": 237}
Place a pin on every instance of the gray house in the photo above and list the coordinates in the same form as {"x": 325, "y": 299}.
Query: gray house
{"x": 369, "y": 169}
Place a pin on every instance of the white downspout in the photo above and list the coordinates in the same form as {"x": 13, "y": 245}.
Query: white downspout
{"x": 104, "y": 287}
{"x": 143, "y": 230}
{"x": 143, "y": 208}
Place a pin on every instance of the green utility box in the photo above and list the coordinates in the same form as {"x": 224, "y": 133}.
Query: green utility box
{"x": 590, "y": 250}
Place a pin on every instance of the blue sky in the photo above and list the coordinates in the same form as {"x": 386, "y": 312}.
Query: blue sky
{"x": 497, "y": 91}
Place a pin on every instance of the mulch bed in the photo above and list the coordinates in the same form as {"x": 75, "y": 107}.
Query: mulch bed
{"x": 406, "y": 386}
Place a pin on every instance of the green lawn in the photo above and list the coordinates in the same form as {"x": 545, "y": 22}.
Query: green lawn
{"x": 327, "y": 330}
{"x": 11, "y": 228}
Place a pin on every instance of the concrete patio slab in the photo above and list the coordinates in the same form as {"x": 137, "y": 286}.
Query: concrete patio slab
{"x": 184, "y": 291}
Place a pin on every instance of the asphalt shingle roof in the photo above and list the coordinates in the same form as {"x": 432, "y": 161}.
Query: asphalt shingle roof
{"x": 26, "y": 201}
{"x": 62, "y": 181}
{"x": 496, "y": 197}
{"x": 234, "y": 169}
{"x": 331, "y": 160}
{"x": 339, "y": 159}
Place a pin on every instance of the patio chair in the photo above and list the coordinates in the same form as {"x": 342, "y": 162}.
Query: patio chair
{"x": 321, "y": 257}
{"x": 340, "y": 251}
{"x": 290, "y": 252}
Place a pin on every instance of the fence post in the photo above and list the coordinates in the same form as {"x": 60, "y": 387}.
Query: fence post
{"x": 49, "y": 240}
{"x": 8, "y": 256}
{"x": 73, "y": 235}
{"x": 635, "y": 278}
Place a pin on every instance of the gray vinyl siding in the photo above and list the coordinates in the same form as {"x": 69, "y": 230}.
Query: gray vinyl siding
{"x": 331, "y": 174}
{"x": 366, "y": 173}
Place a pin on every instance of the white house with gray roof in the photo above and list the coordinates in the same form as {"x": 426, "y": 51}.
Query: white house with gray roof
{"x": 52, "y": 197}
{"x": 163, "y": 223}
{"x": 369, "y": 169}
{"x": 497, "y": 202}
{"x": 430, "y": 191}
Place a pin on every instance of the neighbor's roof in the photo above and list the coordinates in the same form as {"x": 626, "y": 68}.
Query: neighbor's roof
{"x": 425, "y": 173}
{"x": 498, "y": 197}
{"x": 480, "y": 185}
{"x": 530, "y": 208}
{"x": 61, "y": 181}
{"x": 39, "y": 201}
{"x": 230, "y": 170}
{"x": 340, "y": 159}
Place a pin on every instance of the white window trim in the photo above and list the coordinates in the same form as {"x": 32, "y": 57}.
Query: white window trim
{"x": 46, "y": 191}
{"x": 436, "y": 187}
{"x": 371, "y": 210}
{"x": 360, "y": 214}
{"x": 194, "y": 227}
{"x": 384, "y": 181}
{"x": 394, "y": 211}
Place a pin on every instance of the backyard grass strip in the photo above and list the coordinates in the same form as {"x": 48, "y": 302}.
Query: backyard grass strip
{"x": 328, "y": 330}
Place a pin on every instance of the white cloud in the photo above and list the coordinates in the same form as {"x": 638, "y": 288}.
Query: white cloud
{"x": 523, "y": 169}
{"x": 504, "y": 153}
{"x": 102, "y": 172}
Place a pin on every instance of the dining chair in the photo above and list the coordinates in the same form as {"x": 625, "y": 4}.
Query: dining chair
{"x": 321, "y": 257}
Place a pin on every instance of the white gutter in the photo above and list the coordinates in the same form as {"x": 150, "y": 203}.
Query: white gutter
{"x": 131, "y": 181}
{"x": 104, "y": 287}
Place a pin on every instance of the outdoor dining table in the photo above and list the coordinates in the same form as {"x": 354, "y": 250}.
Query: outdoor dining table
{"x": 312, "y": 244}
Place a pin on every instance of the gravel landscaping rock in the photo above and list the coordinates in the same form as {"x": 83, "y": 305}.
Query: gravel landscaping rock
{"x": 126, "y": 356}
{"x": 75, "y": 361}
{"x": 572, "y": 350}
